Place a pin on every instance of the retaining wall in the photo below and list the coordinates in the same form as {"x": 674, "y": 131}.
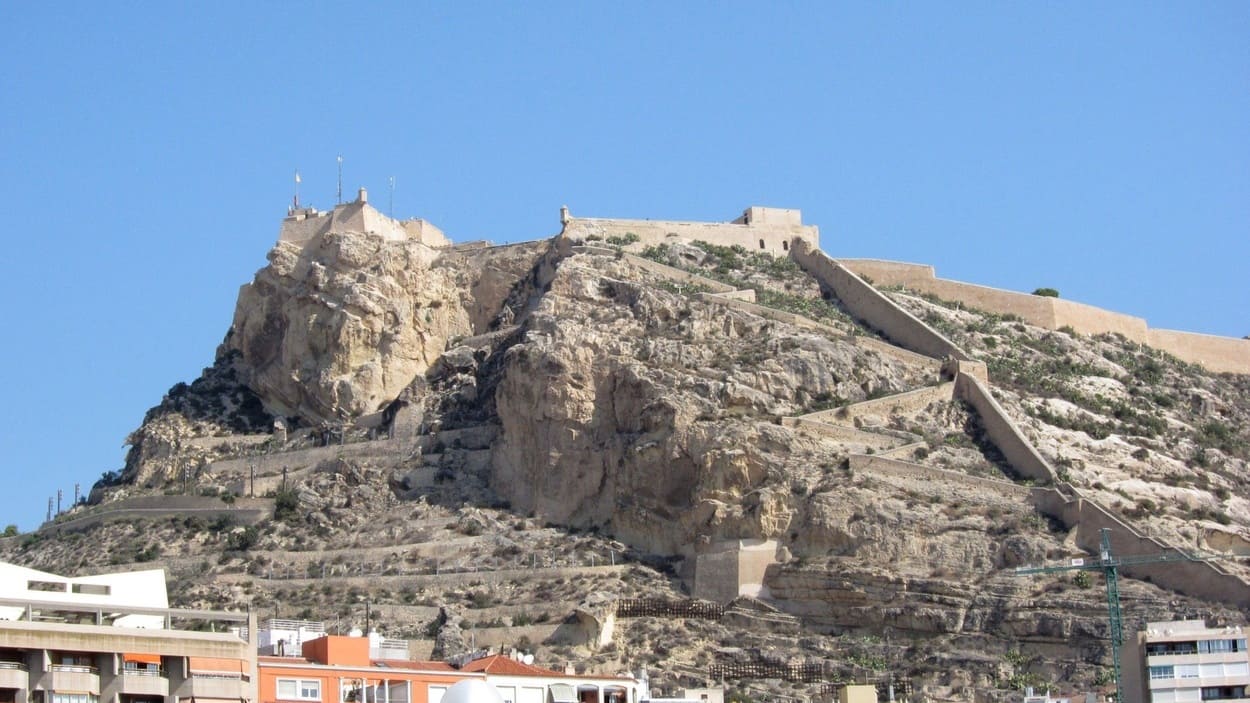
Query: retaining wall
{"x": 675, "y": 274}
{"x": 842, "y": 433}
{"x": 925, "y": 479}
{"x": 1002, "y": 431}
{"x": 898, "y": 404}
{"x": 871, "y": 306}
{"x": 768, "y": 313}
{"x": 244, "y": 511}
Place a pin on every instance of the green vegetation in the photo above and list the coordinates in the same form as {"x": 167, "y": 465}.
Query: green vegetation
{"x": 10, "y": 531}
{"x": 286, "y": 505}
{"x": 244, "y": 539}
{"x": 625, "y": 240}
{"x": 737, "y": 267}
{"x": 1046, "y": 292}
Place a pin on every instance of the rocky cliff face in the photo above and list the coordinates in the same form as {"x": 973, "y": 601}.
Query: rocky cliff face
{"x": 336, "y": 328}
{"x": 478, "y": 394}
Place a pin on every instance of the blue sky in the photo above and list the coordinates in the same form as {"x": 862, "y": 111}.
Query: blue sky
{"x": 1102, "y": 149}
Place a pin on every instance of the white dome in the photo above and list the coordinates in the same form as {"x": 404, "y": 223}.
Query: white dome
{"x": 472, "y": 691}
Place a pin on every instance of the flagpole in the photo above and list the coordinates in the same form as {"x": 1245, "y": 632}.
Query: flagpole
{"x": 340, "y": 191}
{"x": 392, "y": 203}
{"x": 297, "y": 188}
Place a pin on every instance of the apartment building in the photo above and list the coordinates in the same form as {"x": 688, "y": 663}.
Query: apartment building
{"x": 109, "y": 639}
{"x": 1184, "y": 661}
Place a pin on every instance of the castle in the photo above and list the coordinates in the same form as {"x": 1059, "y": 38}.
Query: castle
{"x": 774, "y": 231}
{"x": 305, "y": 223}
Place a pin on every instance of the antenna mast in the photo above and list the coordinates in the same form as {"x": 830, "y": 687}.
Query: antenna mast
{"x": 339, "y": 196}
{"x": 391, "y": 205}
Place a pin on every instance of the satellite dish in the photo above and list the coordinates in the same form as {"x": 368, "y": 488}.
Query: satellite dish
{"x": 472, "y": 691}
{"x": 354, "y": 632}
{"x": 528, "y": 659}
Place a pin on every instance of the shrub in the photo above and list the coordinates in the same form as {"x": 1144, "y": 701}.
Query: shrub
{"x": 1082, "y": 579}
{"x": 286, "y": 505}
{"x": 244, "y": 539}
{"x": 1046, "y": 292}
{"x": 10, "y": 531}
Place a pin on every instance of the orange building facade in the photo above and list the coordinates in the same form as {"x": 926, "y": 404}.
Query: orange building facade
{"x": 337, "y": 669}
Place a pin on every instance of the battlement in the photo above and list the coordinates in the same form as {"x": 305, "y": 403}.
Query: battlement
{"x": 303, "y": 224}
{"x": 758, "y": 229}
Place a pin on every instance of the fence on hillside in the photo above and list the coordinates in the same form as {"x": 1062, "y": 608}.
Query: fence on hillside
{"x": 659, "y": 608}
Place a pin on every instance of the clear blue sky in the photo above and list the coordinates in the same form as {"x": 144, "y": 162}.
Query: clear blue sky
{"x": 147, "y": 154}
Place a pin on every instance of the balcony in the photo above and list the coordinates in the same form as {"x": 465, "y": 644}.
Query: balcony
{"x": 14, "y": 675}
{"x": 216, "y": 685}
{"x": 144, "y": 682}
{"x": 75, "y": 677}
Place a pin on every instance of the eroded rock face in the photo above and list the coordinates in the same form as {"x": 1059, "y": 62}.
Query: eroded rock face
{"x": 338, "y": 327}
{"x": 619, "y": 409}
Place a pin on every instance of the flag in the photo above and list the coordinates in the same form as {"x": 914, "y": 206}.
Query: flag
{"x": 297, "y": 176}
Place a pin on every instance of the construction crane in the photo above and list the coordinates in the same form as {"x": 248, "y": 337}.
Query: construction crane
{"x": 1109, "y": 565}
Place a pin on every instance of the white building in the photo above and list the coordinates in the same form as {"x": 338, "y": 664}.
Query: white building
{"x": 40, "y": 589}
{"x": 111, "y": 638}
{"x": 1185, "y": 661}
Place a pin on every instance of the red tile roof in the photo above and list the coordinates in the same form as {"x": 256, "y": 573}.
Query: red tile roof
{"x": 500, "y": 665}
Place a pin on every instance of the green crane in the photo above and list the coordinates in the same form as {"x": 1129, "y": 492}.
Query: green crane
{"x": 1109, "y": 565}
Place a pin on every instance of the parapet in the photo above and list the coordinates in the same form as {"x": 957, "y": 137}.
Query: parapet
{"x": 303, "y": 224}
{"x": 757, "y": 229}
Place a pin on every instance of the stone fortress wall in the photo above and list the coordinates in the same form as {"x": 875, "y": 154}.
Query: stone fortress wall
{"x": 1219, "y": 354}
{"x": 758, "y": 229}
{"x": 1060, "y": 500}
{"x": 303, "y": 224}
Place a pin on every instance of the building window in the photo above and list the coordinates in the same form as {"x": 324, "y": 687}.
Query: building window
{"x": 1159, "y": 648}
{"x": 1223, "y": 693}
{"x": 1162, "y": 672}
{"x": 299, "y": 689}
{"x": 761, "y": 244}
{"x": 74, "y": 698}
{"x": 95, "y": 589}
{"x": 785, "y": 246}
{"x": 1186, "y": 671}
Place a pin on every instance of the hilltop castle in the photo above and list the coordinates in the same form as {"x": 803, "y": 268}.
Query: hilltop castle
{"x": 305, "y": 223}
{"x": 775, "y": 231}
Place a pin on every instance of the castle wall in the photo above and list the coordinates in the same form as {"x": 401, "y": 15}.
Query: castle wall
{"x": 1197, "y": 579}
{"x": 871, "y": 306}
{"x": 1218, "y": 354}
{"x": 1019, "y": 452}
{"x": 771, "y": 234}
{"x": 358, "y": 216}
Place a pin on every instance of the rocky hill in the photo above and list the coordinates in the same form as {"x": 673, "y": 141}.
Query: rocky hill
{"x": 494, "y": 445}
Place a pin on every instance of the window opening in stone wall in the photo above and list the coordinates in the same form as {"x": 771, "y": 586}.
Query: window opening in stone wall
{"x": 785, "y": 246}
{"x": 761, "y": 244}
